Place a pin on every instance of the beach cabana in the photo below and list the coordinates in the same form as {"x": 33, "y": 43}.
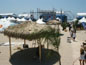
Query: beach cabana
{"x": 30, "y": 31}
{"x": 27, "y": 31}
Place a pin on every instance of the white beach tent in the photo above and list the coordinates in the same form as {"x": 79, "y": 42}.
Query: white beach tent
{"x": 4, "y": 23}
{"x": 40, "y": 21}
{"x": 30, "y": 19}
{"x": 18, "y": 19}
{"x": 23, "y": 19}
{"x": 11, "y": 19}
{"x": 58, "y": 19}
{"x": 82, "y": 20}
{"x": 3, "y": 19}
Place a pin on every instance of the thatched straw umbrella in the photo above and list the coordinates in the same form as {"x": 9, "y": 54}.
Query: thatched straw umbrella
{"x": 31, "y": 31}
{"x": 54, "y": 22}
{"x": 27, "y": 30}
{"x": 23, "y": 30}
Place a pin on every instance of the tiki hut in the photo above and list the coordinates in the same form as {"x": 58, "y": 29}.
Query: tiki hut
{"x": 30, "y": 31}
{"x": 24, "y": 30}
{"x": 54, "y": 22}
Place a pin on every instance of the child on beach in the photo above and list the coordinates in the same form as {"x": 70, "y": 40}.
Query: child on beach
{"x": 84, "y": 43}
{"x": 82, "y": 56}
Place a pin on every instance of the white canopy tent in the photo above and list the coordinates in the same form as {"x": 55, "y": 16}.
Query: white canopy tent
{"x": 11, "y": 19}
{"x": 58, "y": 19}
{"x": 22, "y": 19}
{"x": 4, "y": 23}
{"x": 40, "y": 21}
{"x": 82, "y": 20}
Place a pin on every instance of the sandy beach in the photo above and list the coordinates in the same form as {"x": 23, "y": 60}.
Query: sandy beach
{"x": 69, "y": 52}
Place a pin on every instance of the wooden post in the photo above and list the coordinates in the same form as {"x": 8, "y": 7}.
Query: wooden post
{"x": 24, "y": 41}
{"x": 35, "y": 41}
{"x": 39, "y": 43}
{"x": 10, "y": 46}
{"x": 40, "y": 51}
{"x": 47, "y": 44}
{"x": 58, "y": 28}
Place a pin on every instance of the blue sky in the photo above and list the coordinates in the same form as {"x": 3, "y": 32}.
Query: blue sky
{"x": 20, "y": 6}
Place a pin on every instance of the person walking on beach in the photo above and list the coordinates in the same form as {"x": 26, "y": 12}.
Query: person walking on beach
{"x": 74, "y": 35}
{"x": 70, "y": 26}
{"x": 71, "y": 34}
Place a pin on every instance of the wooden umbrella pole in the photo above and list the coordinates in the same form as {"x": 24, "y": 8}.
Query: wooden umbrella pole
{"x": 10, "y": 46}
{"x": 24, "y": 41}
{"x": 35, "y": 41}
{"x": 58, "y": 26}
{"x": 47, "y": 45}
{"x": 39, "y": 50}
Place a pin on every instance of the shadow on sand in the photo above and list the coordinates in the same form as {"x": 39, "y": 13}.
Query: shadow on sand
{"x": 29, "y": 57}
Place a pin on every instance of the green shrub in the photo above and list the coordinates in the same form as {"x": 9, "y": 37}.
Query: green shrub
{"x": 64, "y": 25}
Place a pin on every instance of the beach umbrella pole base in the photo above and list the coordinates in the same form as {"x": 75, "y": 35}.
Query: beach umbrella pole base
{"x": 10, "y": 46}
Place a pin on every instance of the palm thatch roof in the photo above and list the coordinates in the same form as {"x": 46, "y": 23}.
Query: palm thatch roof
{"x": 28, "y": 30}
{"x": 53, "y": 22}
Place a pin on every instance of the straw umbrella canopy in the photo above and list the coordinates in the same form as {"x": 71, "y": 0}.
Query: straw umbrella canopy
{"x": 31, "y": 31}
{"x": 27, "y": 30}
{"x": 54, "y": 22}
{"x": 24, "y": 30}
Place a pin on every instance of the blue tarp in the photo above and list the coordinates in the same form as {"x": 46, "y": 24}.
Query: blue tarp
{"x": 48, "y": 17}
{"x": 80, "y": 17}
{"x": 84, "y": 25}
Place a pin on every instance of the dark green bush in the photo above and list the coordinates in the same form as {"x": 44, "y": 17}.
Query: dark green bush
{"x": 64, "y": 25}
